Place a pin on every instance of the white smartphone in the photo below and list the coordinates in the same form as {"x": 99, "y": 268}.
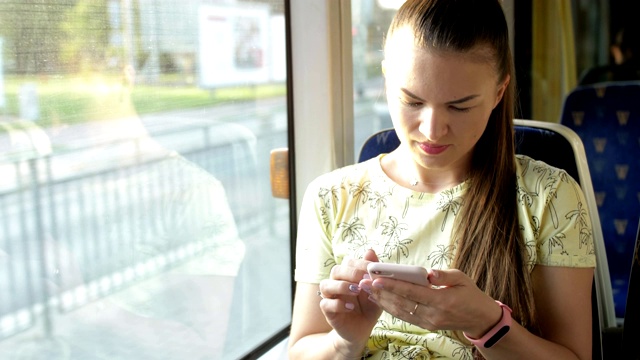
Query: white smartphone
{"x": 410, "y": 273}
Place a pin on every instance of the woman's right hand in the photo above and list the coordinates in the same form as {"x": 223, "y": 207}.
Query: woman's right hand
{"x": 337, "y": 326}
{"x": 346, "y": 307}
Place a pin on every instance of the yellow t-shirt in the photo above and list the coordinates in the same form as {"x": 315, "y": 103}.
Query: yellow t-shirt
{"x": 358, "y": 207}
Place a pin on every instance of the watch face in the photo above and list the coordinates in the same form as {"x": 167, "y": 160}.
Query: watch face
{"x": 498, "y": 335}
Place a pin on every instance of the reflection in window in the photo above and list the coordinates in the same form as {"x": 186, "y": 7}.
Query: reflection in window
{"x": 136, "y": 219}
{"x": 370, "y": 21}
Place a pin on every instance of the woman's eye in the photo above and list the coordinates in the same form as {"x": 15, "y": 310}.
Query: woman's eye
{"x": 459, "y": 109}
{"x": 410, "y": 103}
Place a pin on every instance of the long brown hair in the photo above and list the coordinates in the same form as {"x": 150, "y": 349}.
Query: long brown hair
{"x": 489, "y": 245}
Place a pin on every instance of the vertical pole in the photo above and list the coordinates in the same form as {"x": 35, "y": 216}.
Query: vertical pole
{"x": 40, "y": 238}
{"x": 127, "y": 33}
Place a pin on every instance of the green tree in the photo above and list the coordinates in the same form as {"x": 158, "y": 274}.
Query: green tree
{"x": 86, "y": 32}
{"x": 31, "y": 32}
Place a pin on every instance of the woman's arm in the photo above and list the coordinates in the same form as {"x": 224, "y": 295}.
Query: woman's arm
{"x": 309, "y": 329}
{"x": 311, "y": 336}
{"x": 338, "y": 324}
{"x": 563, "y": 304}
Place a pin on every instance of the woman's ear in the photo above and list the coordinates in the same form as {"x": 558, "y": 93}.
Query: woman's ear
{"x": 501, "y": 90}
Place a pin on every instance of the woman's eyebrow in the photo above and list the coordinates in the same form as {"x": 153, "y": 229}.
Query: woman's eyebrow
{"x": 410, "y": 94}
{"x": 453, "y": 102}
{"x": 464, "y": 99}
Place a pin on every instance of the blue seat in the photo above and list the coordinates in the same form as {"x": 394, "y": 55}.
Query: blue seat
{"x": 631, "y": 327}
{"x": 558, "y": 146}
{"x": 606, "y": 116}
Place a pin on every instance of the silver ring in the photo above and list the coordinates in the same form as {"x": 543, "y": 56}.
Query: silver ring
{"x": 414, "y": 309}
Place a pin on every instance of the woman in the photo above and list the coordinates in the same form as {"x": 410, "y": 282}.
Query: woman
{"x": 493, "y": 228}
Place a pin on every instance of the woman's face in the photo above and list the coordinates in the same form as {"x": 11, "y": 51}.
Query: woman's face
{"x": 439, "y": 102}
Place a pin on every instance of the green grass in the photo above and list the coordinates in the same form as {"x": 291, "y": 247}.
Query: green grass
{"x": 76, "y": 99}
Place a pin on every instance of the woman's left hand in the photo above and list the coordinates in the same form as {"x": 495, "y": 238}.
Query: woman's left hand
{"x": 453, "y": 302}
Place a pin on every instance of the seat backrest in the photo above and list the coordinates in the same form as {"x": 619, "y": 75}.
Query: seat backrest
{"x": 382, "y": 142}
{"x": 558, "y": 146}
{"x": 631, "y": 327}
{"x": 606, "y": 116}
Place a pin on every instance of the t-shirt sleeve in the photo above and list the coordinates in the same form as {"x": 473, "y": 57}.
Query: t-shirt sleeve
{"x": 314, "y": 255}
{"x": 565, "y": 229}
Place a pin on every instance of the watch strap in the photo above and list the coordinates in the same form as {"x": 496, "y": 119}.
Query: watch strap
{"x": 497, "y": 332}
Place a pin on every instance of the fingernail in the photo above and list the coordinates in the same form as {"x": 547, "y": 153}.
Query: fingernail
{"x": 354, "y": 288}
{"x": 366, "y": 276}
{"x": 349, "y": 306}
{"x": 378, "y": 285}
{"x": 366, "y": 288}
{"x": 433, "y": 273}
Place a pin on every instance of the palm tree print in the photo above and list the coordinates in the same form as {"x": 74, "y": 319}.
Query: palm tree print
{"x": 557, "y": 241}
{"x": 408, "y": 353}
{"x": 535, "y": 225}
{"x": 448, "y": 203}
{"x": 324, "y": 213}
{"x": 380, "y": 336}
{"x": 580, "y": 215}
{"x": 329, "y": 198}
{"x": 393, "y": 229}
{"x": 552, "y": 185}
{"x": 463, "y": 353}
{"x": 525, "y": 197}
{"x": 406, "y": 206}
{"x": 417, "y": 339}
{"x": 330, "y": 262}
{"x": 360, "y": 193}
{"x": 532, "y": 244}
{"x": 441, "y": 257}
{"x": 379, "y": 201}
{"x": 582, "y": 218}
{"x": 352, "y": 234}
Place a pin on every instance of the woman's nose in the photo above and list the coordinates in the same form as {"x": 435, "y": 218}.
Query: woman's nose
{"x": 433, "y": 124}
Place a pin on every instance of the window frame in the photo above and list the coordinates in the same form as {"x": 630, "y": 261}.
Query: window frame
{"x": 320, "y": 108}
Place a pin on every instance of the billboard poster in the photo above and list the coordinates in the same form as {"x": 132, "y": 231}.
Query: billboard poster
{"x": 233, "y": 46}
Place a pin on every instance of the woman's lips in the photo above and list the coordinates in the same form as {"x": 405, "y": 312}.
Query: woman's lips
{"x": 432, "y": 149}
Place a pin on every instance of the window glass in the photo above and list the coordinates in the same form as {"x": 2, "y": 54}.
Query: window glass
{"x": 136, "y": 216}
{"x": 370, "y": 21}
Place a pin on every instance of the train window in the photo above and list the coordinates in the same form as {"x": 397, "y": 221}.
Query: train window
{"x": 136, "y": 216}
{"x": 370, "y": 20}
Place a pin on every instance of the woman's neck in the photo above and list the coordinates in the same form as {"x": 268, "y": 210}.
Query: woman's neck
{"x": 404, "y": 171}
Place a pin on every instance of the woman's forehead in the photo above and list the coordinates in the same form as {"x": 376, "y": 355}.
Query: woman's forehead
{"x": 402, "y": 42}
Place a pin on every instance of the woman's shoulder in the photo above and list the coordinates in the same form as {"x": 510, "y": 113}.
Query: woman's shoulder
{"x": 541, "y": 178}
{"x": 350, "y": 174}
{"x": 527, "y": 167}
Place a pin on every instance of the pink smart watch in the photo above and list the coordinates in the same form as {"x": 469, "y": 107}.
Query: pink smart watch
{"x": 497, "y": 332}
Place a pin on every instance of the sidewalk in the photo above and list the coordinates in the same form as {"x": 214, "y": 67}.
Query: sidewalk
{"x": 159, "y": 318}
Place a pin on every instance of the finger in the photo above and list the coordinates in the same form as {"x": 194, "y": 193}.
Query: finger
{"x": 370, "y": 255}
{"x": 402, "y": 308}
{"x": 351, "y": 270}
{"x": 412, "y": 292}
{"x": 334, "y": 306}
{"x": 332, "y": 289}
{"x": 445, "y": 277}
